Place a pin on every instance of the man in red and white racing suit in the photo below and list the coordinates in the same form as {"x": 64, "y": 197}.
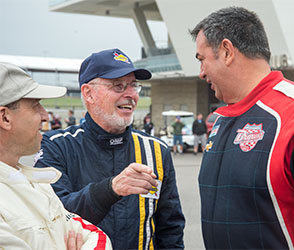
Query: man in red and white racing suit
{"x": 246, "y": 179}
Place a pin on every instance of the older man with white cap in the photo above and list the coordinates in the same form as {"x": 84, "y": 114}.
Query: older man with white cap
{"x": 118, "y": 178}
{"x": 31, "y": 215}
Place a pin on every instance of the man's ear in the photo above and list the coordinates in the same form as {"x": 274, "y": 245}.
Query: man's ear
{"x": 87, "y": 93}
{"x": 228, "y": 51}
{"x": 5, "y": 118}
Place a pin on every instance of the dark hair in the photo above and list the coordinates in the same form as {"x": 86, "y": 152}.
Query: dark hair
{"x": 13, "y": 105}
{"x": 242, "y": 27}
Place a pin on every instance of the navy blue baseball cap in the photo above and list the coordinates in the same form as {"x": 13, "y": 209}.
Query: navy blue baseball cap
{"x": 109, "y": 64}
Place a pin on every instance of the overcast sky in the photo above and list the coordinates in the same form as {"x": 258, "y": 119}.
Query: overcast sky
{"x": 28, "y": 28}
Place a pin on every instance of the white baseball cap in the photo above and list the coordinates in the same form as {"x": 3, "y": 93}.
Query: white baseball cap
{"x": 16, "y": 84}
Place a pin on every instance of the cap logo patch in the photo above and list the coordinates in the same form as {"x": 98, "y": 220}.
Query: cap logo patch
{"x": 120, "y": 57}
{"x": 248, "y": 136}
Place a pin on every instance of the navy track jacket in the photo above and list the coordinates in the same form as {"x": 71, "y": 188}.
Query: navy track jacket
{"x": 89, "y": 157}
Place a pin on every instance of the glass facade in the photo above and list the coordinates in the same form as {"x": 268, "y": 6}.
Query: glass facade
{"x": 69, "y": 80}
{"x": 161, "y": 63}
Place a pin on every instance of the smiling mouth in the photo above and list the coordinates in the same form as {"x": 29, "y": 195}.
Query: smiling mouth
{"x": 126, "y": 107}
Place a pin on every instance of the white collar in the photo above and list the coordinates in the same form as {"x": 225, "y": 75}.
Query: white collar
{"x": 23, "y": 174}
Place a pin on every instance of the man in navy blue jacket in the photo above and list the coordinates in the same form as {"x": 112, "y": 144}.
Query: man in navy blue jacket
{"x": 246, "y": 178}
{"x": 118, "y": 178}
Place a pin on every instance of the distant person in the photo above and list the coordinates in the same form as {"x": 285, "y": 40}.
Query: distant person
{"x": 50, "y": 115}
{"x": 71, "y": 120}
{"x": 56, "y": 122}
{"x": 46, "y": 125}
{"x": 83, "y": 119}
{"x": 246, "y": 178}
{"x": 178, "y": 136}
{"x": 31, "y": 215}
{"x": 116, "y": 177}
{"x": 148, "y": 126}
{"x": 145, "y": 118}
{"x": 199, "y": 131}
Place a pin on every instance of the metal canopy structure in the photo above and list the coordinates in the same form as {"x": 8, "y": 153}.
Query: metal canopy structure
{"x": 138, "y": 10}
{"x": 44, "y": 64}
{"x": 114, "y": 8}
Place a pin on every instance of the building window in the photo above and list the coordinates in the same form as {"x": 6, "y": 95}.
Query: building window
{"x": 167, "y": 107}
{"x": 184, "y": 107}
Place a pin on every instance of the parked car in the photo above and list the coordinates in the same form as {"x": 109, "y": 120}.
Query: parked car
{"x": 187, "y": 118}
{"x": 209, "y": 121}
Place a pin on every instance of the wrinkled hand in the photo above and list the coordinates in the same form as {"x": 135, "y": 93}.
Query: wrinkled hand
{"x": 73, "y": 241}
{"x": 135, "y": 179}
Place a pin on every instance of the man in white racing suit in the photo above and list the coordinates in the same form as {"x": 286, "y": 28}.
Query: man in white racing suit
{"x": 31, "y": 215}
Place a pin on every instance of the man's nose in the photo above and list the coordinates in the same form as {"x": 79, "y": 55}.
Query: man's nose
{"x": 44, "y": 114}
{"x": 202, "y": 75}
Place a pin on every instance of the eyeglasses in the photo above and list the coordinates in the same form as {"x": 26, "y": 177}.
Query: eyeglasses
{"x": 120, "y": 87}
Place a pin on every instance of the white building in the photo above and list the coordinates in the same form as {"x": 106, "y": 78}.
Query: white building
{"x": 175, "y": 82}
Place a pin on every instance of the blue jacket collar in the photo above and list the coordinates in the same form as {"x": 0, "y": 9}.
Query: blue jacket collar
{"x": 107, "y": 140}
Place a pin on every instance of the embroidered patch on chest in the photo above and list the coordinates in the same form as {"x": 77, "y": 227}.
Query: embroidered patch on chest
{"x": 208, "y": 146}
{"x": 116, "y": 141}
{"x": 214, "y": 131}
{"x": 248, "y": 136}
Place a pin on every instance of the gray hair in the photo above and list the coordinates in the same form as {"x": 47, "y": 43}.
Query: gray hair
{"x": 83, "y": 101}
{"x": 242, "y": 27}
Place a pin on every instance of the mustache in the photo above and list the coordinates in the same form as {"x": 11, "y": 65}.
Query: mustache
{"x": 127, "y": 102}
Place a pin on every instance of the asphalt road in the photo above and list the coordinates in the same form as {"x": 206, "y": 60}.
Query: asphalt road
{"x": 187, "y": 167}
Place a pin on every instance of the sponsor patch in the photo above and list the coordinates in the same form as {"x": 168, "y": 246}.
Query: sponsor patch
{"x": 69, "y": 216}
{"x": 116, "y": 141}
{"x": 38, "y": 156}
{"x": 154, "y": 193}
{"x": 248, "y": 136}
{"x": 120, "y": 57}
{"x": 208, "y": 146}
{"x": 214, "y": 131}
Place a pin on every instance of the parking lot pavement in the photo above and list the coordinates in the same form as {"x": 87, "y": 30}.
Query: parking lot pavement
{"x": 187, "y": 167}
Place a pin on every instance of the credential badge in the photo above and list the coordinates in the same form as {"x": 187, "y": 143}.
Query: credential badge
{"x": 154, "y": 193}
